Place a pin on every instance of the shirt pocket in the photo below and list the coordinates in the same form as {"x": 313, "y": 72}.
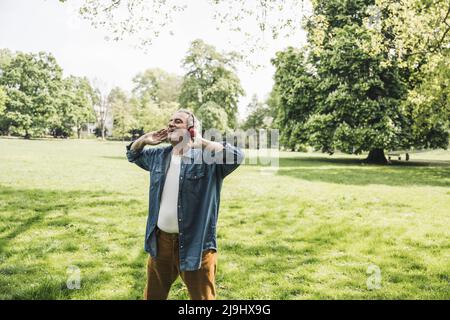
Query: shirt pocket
{"x": 156, "y": 176}
{"x": 195, "y": 180}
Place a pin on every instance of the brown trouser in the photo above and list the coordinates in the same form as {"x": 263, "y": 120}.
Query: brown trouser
{"x": 164, "y": 269}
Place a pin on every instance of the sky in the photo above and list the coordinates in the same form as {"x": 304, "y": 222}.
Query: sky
{"x": 81, "y": 50}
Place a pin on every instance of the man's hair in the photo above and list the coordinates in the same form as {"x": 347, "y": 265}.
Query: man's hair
{"x": 192, "y": 119}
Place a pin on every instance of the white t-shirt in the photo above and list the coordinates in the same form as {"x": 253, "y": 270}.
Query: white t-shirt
{"x": 168, "y": 217}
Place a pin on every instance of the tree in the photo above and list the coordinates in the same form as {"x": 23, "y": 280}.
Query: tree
{"x": 121, "y": 111}
{"x": 102, "y": 109}
{"x": 157, "y": 85}
{"x": 150, "y": 116}
{"x": 212, "y": 116}
{"x": 348, "y": 88}
{"x": 154, "y": 98}
{"x": 421, "y": 41}
{"x": 32, "y": 83}
{"x": 428, "y": 104}
{"x": 295, "y": 85}
{"x": 143, "y": 21}
{"x": 75, "y": 107}
{"x": 417, "y": 30}
{"x": 259, "y": 115}
{"x": 2, "y": 101}
{"x": 211, "y": 77}
{"x": 84, "y": 100}
{"x": 5, "y": 58}
{"x": 273, "y": 103}
{"x": 3, "y": 98}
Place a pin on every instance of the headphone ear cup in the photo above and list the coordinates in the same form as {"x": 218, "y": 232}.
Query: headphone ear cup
{"x": 192, "y": 132}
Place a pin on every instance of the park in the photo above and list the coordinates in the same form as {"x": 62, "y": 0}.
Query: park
{"x": 309, "y": 232}
{"x": 355, "y": 204}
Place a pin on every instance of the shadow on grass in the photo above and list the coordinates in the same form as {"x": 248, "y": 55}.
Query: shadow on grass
{"x": 27, "y": 267}
{"x": 355, "y": 172}
{"x": 303, "y": 247}
{"x": 315, "y": 161}
{"x": 300, "y": 255}
{"x": 40, "y": 284}
{"x": 138, "y": 271}
{"x": 28, "y": 207}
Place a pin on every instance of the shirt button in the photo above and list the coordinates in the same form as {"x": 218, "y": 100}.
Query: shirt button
{"x": 181, "y": 246}
{"x": 179, "y": 219}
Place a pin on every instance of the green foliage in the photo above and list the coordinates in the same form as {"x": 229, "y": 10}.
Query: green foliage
{"x": 352, "y": 88}
{"x": 296, "y": 87}
{"x": 151, "y": 116}
{"x": 32, "y": 83}
{"x": 417, "y": 30}
{"x": 5, "y": 58}
{"x": 211, "y": 77}
{"x": 248, "y": 23}
{"x": 260, "y": 115}
{"x": 212, "y": 116}
{"x": 157, "y": 85}
{"x": 35, "y": 100}
{"x": 2, "y": 100}
{"x": 273, "y": 102}
{"x": 39, "y": 101}
{"x": 75, "y": 107}
{"x": 428, "y": 104}
{"x": 154, "y": 99}
{"x": 122, "y": 113}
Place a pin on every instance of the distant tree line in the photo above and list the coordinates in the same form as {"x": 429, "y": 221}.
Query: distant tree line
{"x": 36, "y": 100}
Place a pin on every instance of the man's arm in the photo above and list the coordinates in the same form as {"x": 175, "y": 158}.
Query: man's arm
{"x": 135, "y": 150}
{"x": 211, "y": 146}
{"x": 228, "y": 157}
{"x": 138, "y": 144}
{"x": 151, "y": 138}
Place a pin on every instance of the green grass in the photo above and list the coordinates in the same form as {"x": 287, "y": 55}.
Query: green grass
{"x": 308, "y": 231}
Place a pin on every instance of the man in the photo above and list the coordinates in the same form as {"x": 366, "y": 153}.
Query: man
{"x": 185, "y": 182}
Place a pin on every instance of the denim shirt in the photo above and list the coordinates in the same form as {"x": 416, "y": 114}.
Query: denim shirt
{"x": 200, "y": 183}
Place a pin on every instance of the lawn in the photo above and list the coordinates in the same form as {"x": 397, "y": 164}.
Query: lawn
{"x": 321, "y": 227}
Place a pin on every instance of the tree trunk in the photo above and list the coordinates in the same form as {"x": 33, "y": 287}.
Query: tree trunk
{"x": 376, "y": 156}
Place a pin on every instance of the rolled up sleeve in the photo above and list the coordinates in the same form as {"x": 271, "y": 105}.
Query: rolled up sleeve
{"x": 231, "y": 158}
{"x": 142, "y": 158}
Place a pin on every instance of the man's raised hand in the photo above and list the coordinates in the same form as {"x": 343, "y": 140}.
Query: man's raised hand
{"x": 155, "y": 137}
